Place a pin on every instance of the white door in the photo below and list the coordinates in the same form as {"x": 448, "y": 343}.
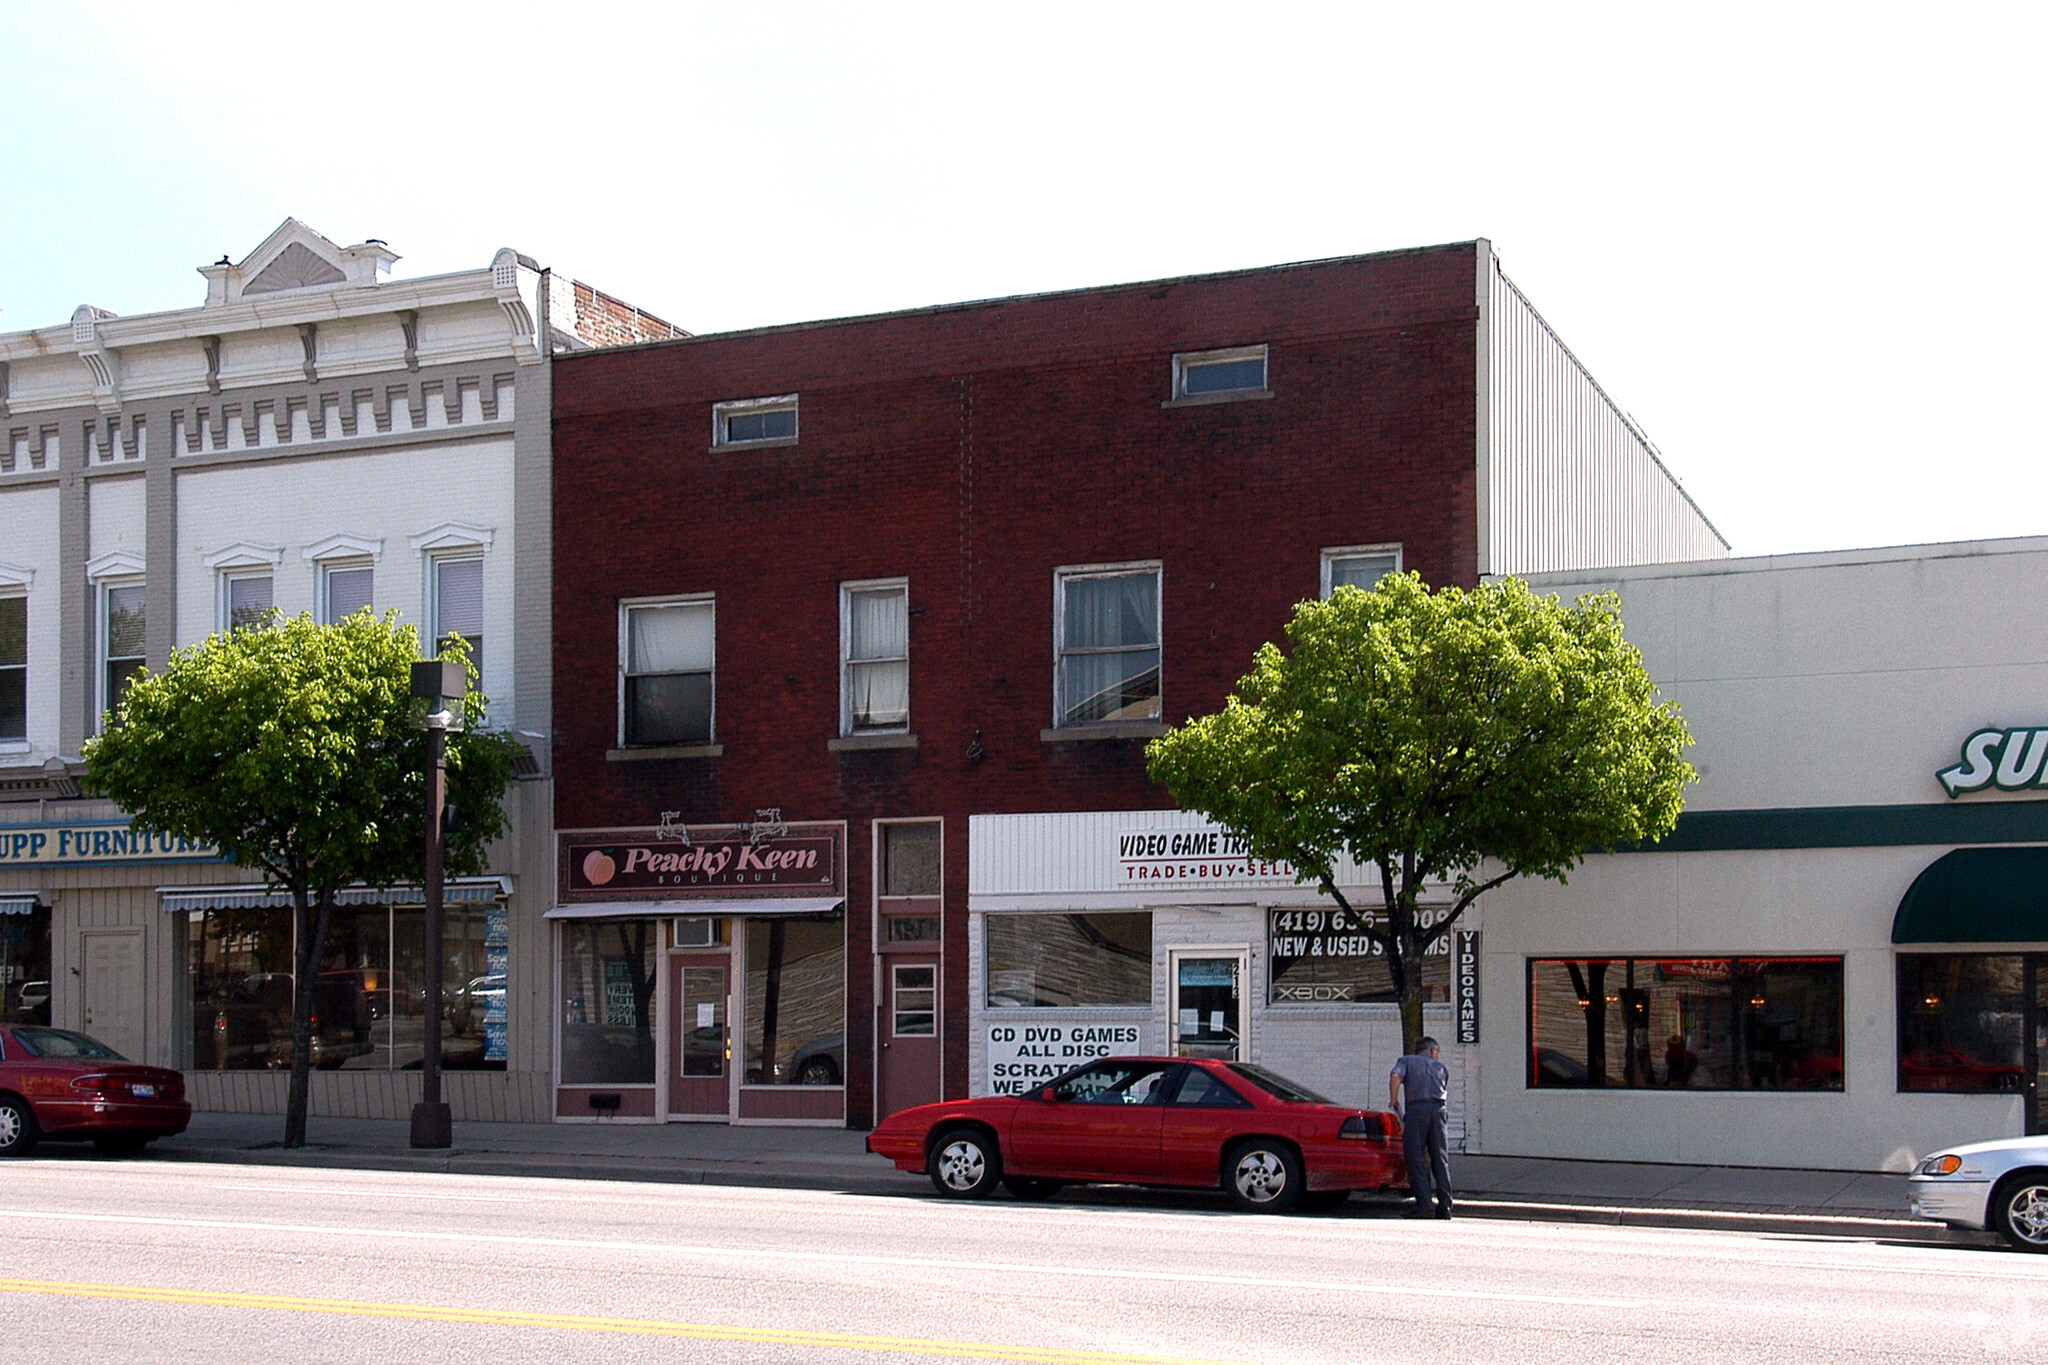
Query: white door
{"x": 1207, "y": 1011}
{"x": 113, "y": 990}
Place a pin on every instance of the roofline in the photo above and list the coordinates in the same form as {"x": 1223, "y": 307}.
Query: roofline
{"x": 1805, "y": 559}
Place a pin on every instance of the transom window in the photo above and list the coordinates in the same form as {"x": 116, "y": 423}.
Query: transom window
{"x": 754, "y": 421}
{"x": 13, "y": 667}
{"x": 1237, "y": 372}
{"x": 1359, "y": 566}
{"x": 1106, "y": 628}
{"x": 666, "y": 667}
{"x": 875, "y": 657}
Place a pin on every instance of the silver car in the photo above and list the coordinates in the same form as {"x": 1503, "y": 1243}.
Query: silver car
{"x": 1999, "y": 1186}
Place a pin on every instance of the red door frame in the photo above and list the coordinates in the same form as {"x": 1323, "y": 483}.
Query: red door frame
{"x": 699, "y": 1097}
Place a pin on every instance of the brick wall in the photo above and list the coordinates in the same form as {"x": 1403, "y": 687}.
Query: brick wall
{"x": 973, "y": 450}
{"x": 603, "y": 320}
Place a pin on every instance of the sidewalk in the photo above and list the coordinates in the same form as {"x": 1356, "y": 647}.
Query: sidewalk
{"x": 1822, "y": 1203}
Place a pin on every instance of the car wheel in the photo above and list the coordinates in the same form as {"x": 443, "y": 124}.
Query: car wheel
{"x": 818, "y": 1071}
{"x": 18, "y": 1132}
{"x": 2020, "y": 1210}
{"x": 965, "y": 1164}
{"x": 1031, "y": 1189}
{"x": 1322, "y": 1201}
{"x": 1262, "y": 1176}
{"x": 120, "y": 1144}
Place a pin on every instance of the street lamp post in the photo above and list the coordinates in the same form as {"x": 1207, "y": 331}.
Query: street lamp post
{"x": 441, "y": 684}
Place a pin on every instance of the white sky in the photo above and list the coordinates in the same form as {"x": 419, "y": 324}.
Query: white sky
{"x": 1785, "y": 237}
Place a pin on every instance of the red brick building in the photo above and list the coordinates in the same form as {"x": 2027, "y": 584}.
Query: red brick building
{"x": 883, "y": 574}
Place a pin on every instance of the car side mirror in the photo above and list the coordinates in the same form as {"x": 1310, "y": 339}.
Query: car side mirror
{"x": 1047, "y": 1094}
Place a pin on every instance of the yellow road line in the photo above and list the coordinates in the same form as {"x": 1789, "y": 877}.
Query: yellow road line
{"x": 570, "y": 1322}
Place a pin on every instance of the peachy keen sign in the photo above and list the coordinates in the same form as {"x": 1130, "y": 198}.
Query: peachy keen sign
{"x": 92, "y": 843}
{"x": 799, "y": 863}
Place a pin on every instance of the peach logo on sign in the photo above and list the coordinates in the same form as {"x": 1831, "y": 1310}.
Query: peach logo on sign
{"x": 598, "y": 867}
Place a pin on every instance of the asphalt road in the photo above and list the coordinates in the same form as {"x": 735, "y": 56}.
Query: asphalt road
{"x": 160, "y": 1262}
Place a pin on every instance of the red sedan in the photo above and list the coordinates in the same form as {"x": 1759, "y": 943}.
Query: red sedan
{"x": 1173, "y": 1121}
{"x": 63, "y": 1085}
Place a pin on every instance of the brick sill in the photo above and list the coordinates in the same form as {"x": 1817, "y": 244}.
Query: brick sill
{"x": 1203, "y": 400}
{"x": 1115, "y": 729}
{"x": 664, "y": 751}
{"x": 856, "y": 743}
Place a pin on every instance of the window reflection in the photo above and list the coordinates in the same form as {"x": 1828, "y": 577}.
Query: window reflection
{"x": 608, "y": 970}
{"x": 1962, "y": 1022}
{"x": 1053, "y": 961}
{"x": 796, "y": 1001}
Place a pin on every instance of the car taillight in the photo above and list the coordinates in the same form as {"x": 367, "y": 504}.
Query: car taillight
{"x": 1363, "y": 1128}
{"x": 98, "y": 1085}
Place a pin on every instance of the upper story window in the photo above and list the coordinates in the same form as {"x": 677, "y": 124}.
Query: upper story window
{"x": 1359, "y": 566}
{"x": 346, "y": 587}
{"x": 874, "y": 657}
{"x": 910, "y": 858}
{"x": 124, "y": 619}
{"x": 755, "y": 422}
{"x": 458, "y": 603}
{"x": 246, "y": 599}
{"x": 1106, "y": 637}
{"x": 666, "y": 658}
{"x": 1238, "y": 372}
{"x": 13, "y": 667}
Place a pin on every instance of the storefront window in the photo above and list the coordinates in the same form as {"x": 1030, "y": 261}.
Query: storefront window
{"x": 608, "y": 973}
{"x": 1322, "y": 956}
{"x": 1962, "y": 1022}
{"x": 1686, "y": 1023}
{"x": 241, "y": 973}
{"x": 796, "y": 1001}
{"x": 24, "y": 963}
{"x": 1061, "y": 961}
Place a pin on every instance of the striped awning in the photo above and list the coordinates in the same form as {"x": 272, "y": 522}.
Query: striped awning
{"x": 758, "y": 907}
{"x": 456, "y": 891}
{"x": 19, "y": 904}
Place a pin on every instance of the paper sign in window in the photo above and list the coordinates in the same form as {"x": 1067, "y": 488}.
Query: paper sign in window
{"x": 705, "y": 1013}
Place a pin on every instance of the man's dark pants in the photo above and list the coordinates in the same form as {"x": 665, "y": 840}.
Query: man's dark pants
{"x": 1423, "y": 1143}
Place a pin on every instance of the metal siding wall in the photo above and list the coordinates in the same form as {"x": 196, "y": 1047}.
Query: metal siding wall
{"x": 1574, "y": 485}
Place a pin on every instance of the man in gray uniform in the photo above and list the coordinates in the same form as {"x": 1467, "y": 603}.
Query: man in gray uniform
{"x": 1428, "y": 1083}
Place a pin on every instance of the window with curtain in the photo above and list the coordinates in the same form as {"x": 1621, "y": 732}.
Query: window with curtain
{"x": 1361, "y": 567}
{"x": 1108, "y": 647}
{"x": 877, "y": 662}
{"x": 347, "y": 588}
{"x": 668, "y": 666}
{"x": 459, "y": 604}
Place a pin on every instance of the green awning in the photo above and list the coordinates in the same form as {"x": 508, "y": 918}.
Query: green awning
{"x": 1977, "y": 895}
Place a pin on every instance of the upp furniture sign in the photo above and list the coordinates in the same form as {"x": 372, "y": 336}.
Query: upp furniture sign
{"x": 94, "y": 843}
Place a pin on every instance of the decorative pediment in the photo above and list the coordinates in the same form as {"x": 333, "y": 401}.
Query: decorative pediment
{"x": 114, "y": 564}
{"x": 295, "y": 257}
{"x": 452, "y": 535}
{"x": 16, "y": 576}
{"x": 243, "y": 555}
{"x": 345, "y": 546}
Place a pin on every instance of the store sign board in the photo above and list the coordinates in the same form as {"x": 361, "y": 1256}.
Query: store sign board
{"x": 1021, "y": 1056}
{"x": 610, "y": 866}
{"x": 1465, "y": 986}
{"x": 94, "y": 843}
{"x": 2011, "y": 760}
{"x": 1203, "y": 854}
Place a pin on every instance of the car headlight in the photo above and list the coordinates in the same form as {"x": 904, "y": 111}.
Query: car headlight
{"x": 1940, "y": 1164}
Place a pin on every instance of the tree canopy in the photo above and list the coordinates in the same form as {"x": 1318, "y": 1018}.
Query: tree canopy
{"x": 292, "y": 748}
{"x": 1456, "y": 737}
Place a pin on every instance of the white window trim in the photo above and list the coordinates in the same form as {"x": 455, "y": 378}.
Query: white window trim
{"x": 846, "y": 592}
{"x": 224, "y": 610}
{"x": 346, "y": 545}
{"x": 1336, "y": 552}
{"x": 333, "y": 565}
{"x": 453, "y": 536}
{"x": 114, "y": 564}
{"x": 245, "y": 555}
{"x": 626, "y": 605}
{"x": 16, "y": 576}
{"x": 102, "y": 587}
{"x": 1060, "y": 578}
{"x": 1183, "y": 359}
{"x": 430, "y": 587}
{"x": 747, "y": 406}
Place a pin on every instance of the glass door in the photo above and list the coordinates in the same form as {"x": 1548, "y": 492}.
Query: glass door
{"x": 2036, "y": 1037}
{"x": 700, "y": 1061}
{"x": 1205, "y": 1016}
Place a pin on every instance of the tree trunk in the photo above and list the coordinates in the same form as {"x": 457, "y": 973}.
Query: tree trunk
{"x": 1411, "y": 1014}
{"x": 312, "y": 926}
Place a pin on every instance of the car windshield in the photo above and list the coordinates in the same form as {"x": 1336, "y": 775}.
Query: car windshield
{"x": 57, "y": 1042}
{"x": 1277, "y": 1086}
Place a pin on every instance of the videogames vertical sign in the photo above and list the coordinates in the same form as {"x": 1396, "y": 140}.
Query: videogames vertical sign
{"x": 1465, "y": 985}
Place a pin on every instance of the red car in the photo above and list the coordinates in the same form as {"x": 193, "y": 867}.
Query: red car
{"x": 1174, "y": 1121}
{"x": 63, "y": 1085}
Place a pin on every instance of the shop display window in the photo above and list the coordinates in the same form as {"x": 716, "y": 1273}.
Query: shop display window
{"x": 1322, "y": 956}
{"x": 1062, "y": 961}
{"x": 1962, "y": 1022}
{"x": 1686, "y": 1023}
{"x": 796, "y": 1001}
{"x": 608, "y": 975}
{"x": 25, "y": 965}
{"x": 369, "y": 1000}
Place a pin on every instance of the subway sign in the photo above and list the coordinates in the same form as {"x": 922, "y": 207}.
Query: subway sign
{"x": 93, "y": 843}
{"x": 2010, "y": 760}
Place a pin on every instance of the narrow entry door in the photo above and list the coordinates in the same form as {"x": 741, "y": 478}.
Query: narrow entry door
{"x": 113, "y": 991}
{"x": 700, "y": 1059}
{"x": 1206, "y": 1014}
{"x": 907, "y": 1071}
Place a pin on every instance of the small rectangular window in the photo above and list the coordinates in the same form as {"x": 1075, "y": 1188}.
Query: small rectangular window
{"x": 1239, "y": 372}
{"x": 459, "y": 604}
{"x": 916, "y": 1001}
{"x": 1359, "y": 566}
{"x": 875, "y": 659}
{"x": 910, "y": 859}
{"x": 13, "y": 668}
{"x": 124, "y": 623}
{"x": 248, "y": 600}
{"x": 346, "y": 590}
{"x": 1107, "y": 638}
{"x": 666, "y": 664}
{"x": 754, "y": 421}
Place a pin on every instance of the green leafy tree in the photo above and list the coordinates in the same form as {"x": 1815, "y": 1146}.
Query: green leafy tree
{"x": 292, "y": 748}
{"x": 1451, "y": 737}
